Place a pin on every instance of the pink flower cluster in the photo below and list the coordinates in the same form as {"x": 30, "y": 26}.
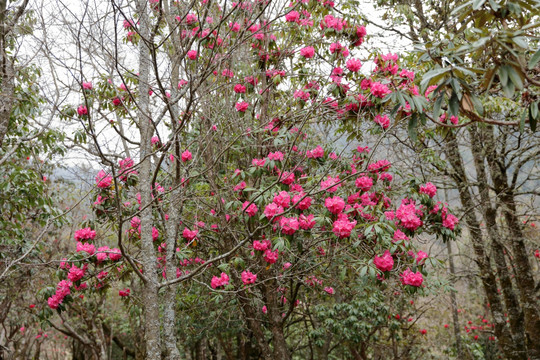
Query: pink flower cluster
{"x": 103, "y": 181}
{"x": 412, "y": 279}
{"x": 407, "y": 215}
{"x": 384, "y": 262}
{"x": 248, "y": 277}
{"x": 86, "y": 247}
{"x": 63, "y": 289}
{"x": 343, "y": 227}
{"x": 250, "y": 210}
{"x": 429, "y": 189}
{"x": 217, "y": 282}
{"x": 85, "y": 234}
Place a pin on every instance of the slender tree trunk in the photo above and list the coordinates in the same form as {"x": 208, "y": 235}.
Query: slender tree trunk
{"x": 7, "y": 75}
{"x": 453, "y": 303}
{"x": 150, "y": 297}
{"x": 254, "y": 325}
{"x": 171, "y": 226}
{"x": 524, "y": 277}
{"x": 487, "y": 277}
{"x": 515, "y": 313}
{"x": 279, "y": 343}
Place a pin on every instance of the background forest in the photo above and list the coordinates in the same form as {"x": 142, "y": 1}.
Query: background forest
{"x": 269, "y": 179}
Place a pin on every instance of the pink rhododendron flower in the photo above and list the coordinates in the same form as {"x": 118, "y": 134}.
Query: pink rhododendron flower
{"x": 330, "y": 184}
{"x": 287, "y": 178}
{"x": 406, "y": 213}
{"x": 271, "y": 256}
{"x": 316, "y": 153}
{"x": 282, "y": 199}
{"x": 428, "y": 189}
{"x": 306, "y": 222}
{"x": 75, "y": 273}
{"x": 386, "y": 177}
{"x": 241, "y": 186}
{"x": 286, "y": 265}
{"x": 250, "y": 210}
{"x": 293, "y": 16}
{"x": 412, "y": 279}
{"x": 453, "y": 119}
{"x": 186, "y": 156}
{"x": 192, "y": 54}
{"x": 302, "y": 95}
{"x": 276, "y": 156}
{"x": 379, "y": 90}
{"x": 102, "y": 253}
{"x": 258, "y": 162}
{"x": 86, "y": 247}
{"x": 354, "y": 65}
{"x": 241, "y": 106}
{"x": 248, "y": 277}
{"x": 189, "y": 235}
{"x": 85, "y": 234}
{"x": 335, "y": 204}
{"x": 385, "y": 262}
{"x": 307, "y": 52}
{"x": 115, "y": 254}
{"x": 289, "y": 225}
{"x": 364, "y": 183}
{"x": 379, "y": 166}
{"x": 239, "y": 89}
{"x": 329, "y": 290}
{"x": 399, "y": 235}
{"x": 420, "y": 257}
{"x": 261, "y": 245}
{"x": 82, "y": 110}
{"x": 103, "y": 180}
{"x": 124, "y": 292}
{"x": 264, "y": 309}
{"x": 219, "y": 281}
{"x": 382, "y": 120}
{"x": 155, "y": 234}
{"x": 342, "y": 227}
{"x": 450, "y": 221}
{"x": 235, "y": 27}
{"x": 272, "y": 210}
{"x": 303, "y": 204}
{"x": 87, "y": 85}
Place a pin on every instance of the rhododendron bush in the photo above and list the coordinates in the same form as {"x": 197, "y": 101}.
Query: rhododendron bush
{"x": 216, "y": 182}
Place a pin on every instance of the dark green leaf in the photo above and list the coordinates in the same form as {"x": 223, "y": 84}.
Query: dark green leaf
{"x": 494, "y": 5}
{"x": 515, "y": 77}
{"x": 412, "y": 128}
{"x": 503, "y": 75}
{"x": 534, "y": 110}
{"x": 522, "y": 121}
{"x": 521, "y": 41}
{"x": 532, "y": 120}
{"x": 454, "y": 104}
{"x": 477, "y": 104}
{"x": 534, "y": 59}
{"x": 431, "y": 74}
{"x": 477, "y": 4}
{"x": 437, "y": 107}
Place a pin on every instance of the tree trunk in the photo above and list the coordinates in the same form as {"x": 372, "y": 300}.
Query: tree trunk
{"x": 7, "y": 75}
{"x": 487, "y": 277}
{"x": 453, "y": 303}
{"x": 281, "y": 350}
{"x": 524, "y": 277}
{"x": 150, "y": 296}
{"x": 514, "y": 311}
